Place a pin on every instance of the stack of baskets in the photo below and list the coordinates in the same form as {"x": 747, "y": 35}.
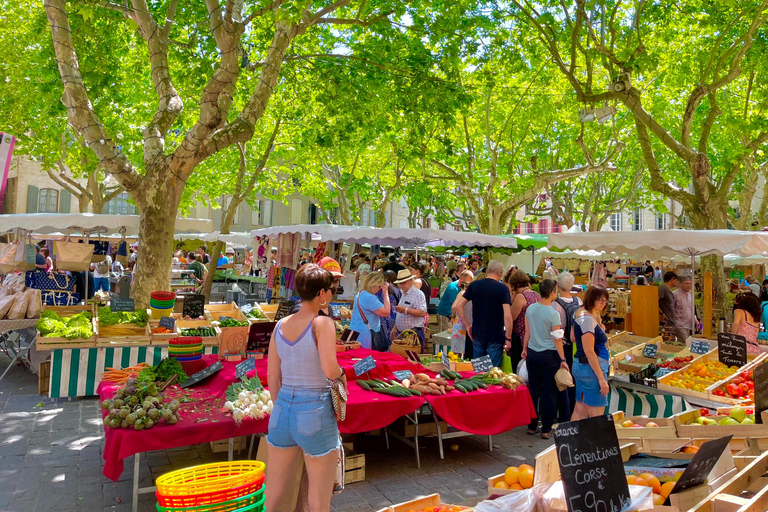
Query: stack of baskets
{"x": 188, "y": 351}
{"x": 162, "y": 303}
{"x": 236, "y": 486}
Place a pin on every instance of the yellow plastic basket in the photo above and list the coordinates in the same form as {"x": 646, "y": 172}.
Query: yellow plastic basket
{"x": 208, "y": 478}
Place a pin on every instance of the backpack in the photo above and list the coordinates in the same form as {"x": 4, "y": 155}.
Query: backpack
{"x": 102, "y": 267}
{"x": 570, "y": 309}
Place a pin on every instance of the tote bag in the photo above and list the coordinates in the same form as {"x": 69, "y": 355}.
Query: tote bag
{"x": 122, "y": 253}
{"x": 72, "y": 256}
{"x": 14, "y": 258}
{"x": 100, "y": 249}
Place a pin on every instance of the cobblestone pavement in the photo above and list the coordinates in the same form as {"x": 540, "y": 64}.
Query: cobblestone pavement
{"x": 51, "y": 453}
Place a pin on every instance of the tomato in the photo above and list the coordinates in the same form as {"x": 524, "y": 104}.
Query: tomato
{"x": 704, "y": 411}
{"x": 751, "y": 385}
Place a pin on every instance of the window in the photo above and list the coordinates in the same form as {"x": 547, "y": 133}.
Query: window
{"x": 661, "y": 221}
{"x": 542, "y": 227}
{"x": 517, "y": 229}
{"x": 120, "y": 205}
{"x": 637, "y": 219}
{"x": 457, "y": 226}
{"x": 427, "y": 223}
{"x": 557, "y": 228}
{"x": 297, "y": 211}
{"x": 530, "y": 228}
{"x": 262, "y": 214}
{"x": 48, "y": 201}
{"x": 616, "y": 222}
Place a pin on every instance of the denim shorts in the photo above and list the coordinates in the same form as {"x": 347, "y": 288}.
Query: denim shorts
{"x": 587, "y": 385}
{"x": 304, "y": 417}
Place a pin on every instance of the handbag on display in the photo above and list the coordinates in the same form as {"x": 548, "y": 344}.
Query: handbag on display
{"x": 55, "y": 289}
{"x": 72, "y": 255}
{"x": 14, "y": 258}
{"x": 100, "y": 249}
{"x": 122, "y": 252}
{"x": 54, "y": 298}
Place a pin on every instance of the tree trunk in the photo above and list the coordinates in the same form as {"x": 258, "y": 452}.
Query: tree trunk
{"x": 714, "y": 263}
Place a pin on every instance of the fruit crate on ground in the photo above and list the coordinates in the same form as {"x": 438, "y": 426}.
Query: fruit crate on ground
{"x": 52, "y": 342}
{"x": 638, "y": 427}
{"x": 419, "y": 504}
{"x": 354, "y": 467}
{"x": 746, "y": 490}
{"x": 689, "y": 424}
{"x": 694, "y": 379}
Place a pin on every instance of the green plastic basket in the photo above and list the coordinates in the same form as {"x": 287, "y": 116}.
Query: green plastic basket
{"x": 251, "y": 503}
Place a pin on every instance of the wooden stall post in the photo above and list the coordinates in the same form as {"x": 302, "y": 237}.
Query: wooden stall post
{"x": 707, "y": 320}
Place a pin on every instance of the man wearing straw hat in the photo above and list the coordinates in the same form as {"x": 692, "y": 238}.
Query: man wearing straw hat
{"x": 411, "y": 309}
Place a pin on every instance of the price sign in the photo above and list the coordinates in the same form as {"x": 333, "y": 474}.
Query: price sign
{"x": 284, "y": 309}
{"x": 202, "y": 375}
{"x": 649, "y": 351}
{"x": 259, "y": 336}
{"x": 732, "y": 349}
{"x": 246, "y": 308}
{"x": 403, "y": 374}
{"x": 662, "y": 372}
{"x": 364, "y": 365}
{"x": 413, "y": 356}
{"x": 700, "y": 347}
{"x": 590, "y": 463}
{"x": 222, "y": 318}
{"x": 194, "y": 306}
{"x": 760, "y": 376}
{"x": 482, "y": 364}
{"x": 167, "y": 322}
{"x": 243, "y": 368}
{"x": 701, "y": 465}
{"x": 122, "y": 305}
{"x": 446, "y": 361}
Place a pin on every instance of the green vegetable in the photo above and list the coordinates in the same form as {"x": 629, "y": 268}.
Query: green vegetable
{"x": 256, "y": 313}
{"x": 108, "y": 317}
{"x": 75, "y": 326}
{"x": 167, "y": 368}
{"x": 231, "y": 322}
{"x": 245, "y": 384}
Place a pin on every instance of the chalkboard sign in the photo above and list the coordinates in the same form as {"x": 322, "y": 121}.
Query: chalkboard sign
{"x": 700, "y": 347}
{"x": 284, "y": 309}
{"x": 634, "y": 271}
{"x": 482, "y": 364}
{"x": 124, "y": 287}
{"x": 413, "y": 356}
{"x": 701, "y": 465}
{"x": 662, "y": 372}
{"x": 259, "y": 336}
{"x": 446, "y": 361}
{"x": 590, "y": 465}
{"x": 760, "y": 376}
{"x": 223, "y": 317}
{"x": 194, "y": 306}
{"x": 403, "y": 374}
{"x": 202, "y": 375}
{"x": 242, "y": 368}
{"x": 122, "y": 305}
{"x": 649, "y": 351}
{"x": 732, "y": 349}
{"x": 167, "y": 322}
{"x": 364, "y": 365}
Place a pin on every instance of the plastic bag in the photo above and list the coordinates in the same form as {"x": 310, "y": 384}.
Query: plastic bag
{"x": 563, "y": 379}
{"x": 553, "y": 498}
{"x": 5, "y": 304}
{"x": 35, "y": 306}
{"x": 19, "y": 308}
{"x": 522, "y": 371}
{"x": 522, "y": 501}
{"x": 506, "y": 363}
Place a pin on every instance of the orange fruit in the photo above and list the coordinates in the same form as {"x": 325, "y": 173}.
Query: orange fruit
{"x": 652, "y": 481}
{"x": 658, "y": 499}
{"x": 666, "y": 489}
{"x": 516, "y": 487}
{"x": 690, "y": 449}
{"x": 512, "y": 475}
{"x": 639, "y": 481}
{"x": 526, "y": 477}
{"x": 501, "y": 485}
{"x": 525, "y": 466}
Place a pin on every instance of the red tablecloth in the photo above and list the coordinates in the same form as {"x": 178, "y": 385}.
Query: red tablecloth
{"x": 386, "y": 363}
{"x": 368, "y": 411}
{"x": 201, "y": 421}
{"x": 485, "y": 412}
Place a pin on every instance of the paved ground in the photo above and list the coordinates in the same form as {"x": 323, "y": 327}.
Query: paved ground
{"x": 50, "y": 460}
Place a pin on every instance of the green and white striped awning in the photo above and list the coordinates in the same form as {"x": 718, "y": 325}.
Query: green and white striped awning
{"x": 77, "y": 371}
{"x": 641, "y": 404}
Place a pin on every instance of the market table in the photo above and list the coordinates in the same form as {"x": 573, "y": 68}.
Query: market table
{"x": 368, "y": 411}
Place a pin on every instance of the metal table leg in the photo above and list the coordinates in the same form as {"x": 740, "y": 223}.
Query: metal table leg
{"x": 136, "y": 489}
{"x": 413, "y": 444}
{"x": 230, "y": 449}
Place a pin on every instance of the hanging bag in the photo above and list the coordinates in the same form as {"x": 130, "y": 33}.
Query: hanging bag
{"x": 71, "y": 255}
{"x": 14, "y": 258}
{"x": 100, "y": 249}
{"x": 123, "y": 255}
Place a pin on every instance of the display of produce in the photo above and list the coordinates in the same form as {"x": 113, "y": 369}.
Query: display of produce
{"x": 676, "y": 363}
{"x": 395, "y": 388}
{"x": 205, "y": 332}
{"x": 256, "y": 313}
{"x": 120, "y": 376}
{"x": 741, "y": 387}
{"x": 161, "y": 330}
{"x": 700, "y": 376}
{"x": 229, "y": 322}
{"x": 248, "y": 399}
{"x": 108, "y": 317}
{"x": 139, "y": 406}
{"x": 660, "y": 491}
{"x": 75, "y": 326}
{"x": 737, "y": 416}
{"x": 164, "y": 370}
{"x": 517, "y": 478}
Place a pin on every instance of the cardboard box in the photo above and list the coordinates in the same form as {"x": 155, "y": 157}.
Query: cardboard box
{"x": 354, "y": 468}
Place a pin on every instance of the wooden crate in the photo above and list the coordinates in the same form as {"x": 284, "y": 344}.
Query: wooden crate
{"x": 270, "y": 310}
{"x": 122, "y": 335}
{"x": 492, "y": 489}
{"x": 208, "y": 341}
{"x": 461, "y": 366}
{"x": 44, "y": 377}
{"x": 222, "y": 445}
{"x": 354, "y": 468}
{"x": 707, "y": 431}
{"x": 52, "y": 342}
{"x": 257, "y": 320}
{"x": 745, "y": 490}
{"x": 214, "y": 311}
{"x": 663, "y": 383}
{"x": 723, "y": 383}
{"x": 665, "y": 429}
{"x": 160, "y": 339}
{"x": 343, "y": 347}
{"x": 433, "y": 500}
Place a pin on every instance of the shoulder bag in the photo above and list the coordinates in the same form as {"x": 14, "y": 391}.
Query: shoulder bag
{"x": 379, "y": 340}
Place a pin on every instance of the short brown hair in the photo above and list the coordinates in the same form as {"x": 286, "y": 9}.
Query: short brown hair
{"x": 310, "y": 280}
{"x": 199, "y": 257}
{"x": 518, "y": 279}
{"x": 594, "y": 293}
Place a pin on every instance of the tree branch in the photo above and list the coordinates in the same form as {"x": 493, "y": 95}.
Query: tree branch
{"x": 261, "y": 12}
{"x": 169, "y": 19}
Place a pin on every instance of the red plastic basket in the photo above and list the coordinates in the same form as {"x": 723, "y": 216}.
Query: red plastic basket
{"x": 162, "y": 296}
{"x": 186, "y": 340}
{"x": 195, "y": 500}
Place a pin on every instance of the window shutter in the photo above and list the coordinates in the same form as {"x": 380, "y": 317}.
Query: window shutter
{"x": 31, "y": 199}
{"x": 65, "y": 199}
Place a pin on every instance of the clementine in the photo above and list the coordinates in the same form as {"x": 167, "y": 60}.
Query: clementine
{"x": 501, "y": 485}
{"x": 512, "y": 475}
{"x": 658, "y": 499}
{"x": 666, "y": 489}
{"x": 526, "y": 477}
{"x": 525, "y": 466}
{"x": 652, "y": 481}
{"x": 516, "y": 487}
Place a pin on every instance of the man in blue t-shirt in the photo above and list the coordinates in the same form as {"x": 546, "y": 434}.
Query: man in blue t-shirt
{"x": 491, "y": 326}
{"x": 450, "y": 293}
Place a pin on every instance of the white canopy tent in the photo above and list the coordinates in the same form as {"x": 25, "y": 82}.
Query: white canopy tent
{"x": 60, "y": 222}
{"x": 670, "y": 243}
{"x": 410, "y": 238}
{"x": 244, "y": 239}
{"x": 317, "y": 230}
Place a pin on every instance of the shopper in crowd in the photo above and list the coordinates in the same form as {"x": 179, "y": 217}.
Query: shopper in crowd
{"x": 388, "y": 322}
{"x": 648, "y": 270}
{"x": 468, "y": 315}
{"x": 591, "y": 361}
{"x": 302, "y": 424}
{"x": 474, "y": 266}
{"x": 367, "y": 311}
{"x": 523, "y": 297}
{"x": 393, "y": 266}
{"x": 764, "y": 292}
{"x": 566, "y": 306}
{"x": 544, "y": 355}
{"x": 412, "y": 308}
{"x": 491, "y": 324}
{"x": 666, "y": 298}
{"x": 363, "y": 269}
{"x": 101, "y": 274}
{"x": 39, "y": 259}
{"x": 421, "y": 282}
{"x": 751, "y": 285}
{"x": 746, "y": 319}
{"x": 198, "y": 268}
{"x": 117, "y": 267}
{"x": 451, "y": 273}
{"x": 440, "y": 268}
{"x": 657, "y": 275}
{"x": 444, "y": 307}
{"x": 48, "y": 260}
{"x": 461, "y": 266}
{"x": 641, "y": 281}
{"x": 683, "y": 313}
